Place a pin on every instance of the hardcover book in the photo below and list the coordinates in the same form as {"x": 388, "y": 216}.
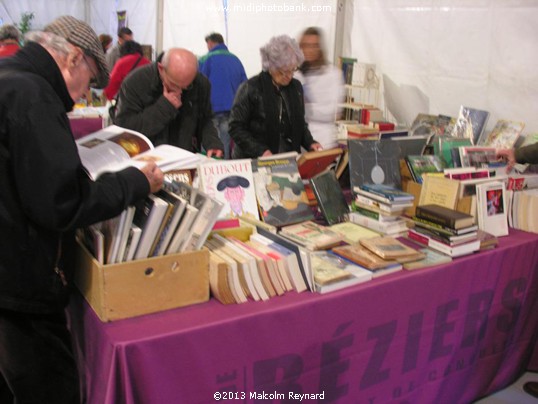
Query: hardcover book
{"x": 448, "y": 145}
{"x": 314, "y": 162}
{"x": 362, "y": 256}
{"x": 280, "y": 191}
{"x": 453, "y": 251}
{"x": 427, "y": 124}
{"x": 444, "y": 216}
{"x": 431, "y": 259}
{"x": 470, "y": 123}
{"x": 478, "y": 156}
{"x": 374, "y": 162}
{"x": 384, "y": 193}
{"x": 231, "y": 182}
{"x": 390, "y": 248}
{"x": 330, "y": 197}
{"x": 333, "y": 273}
{"x": 504, "y": 135}
{"x": 149, "y": 216}
{"x": 419, "y": 165}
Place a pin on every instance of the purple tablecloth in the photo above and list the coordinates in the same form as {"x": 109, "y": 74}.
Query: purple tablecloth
{"x": 447, "y": 334}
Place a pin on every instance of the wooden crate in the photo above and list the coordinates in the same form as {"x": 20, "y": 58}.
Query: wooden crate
{"x": 130, "y": 289}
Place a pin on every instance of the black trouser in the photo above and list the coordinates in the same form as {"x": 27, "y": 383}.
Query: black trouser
{"x": 36, "y": 359}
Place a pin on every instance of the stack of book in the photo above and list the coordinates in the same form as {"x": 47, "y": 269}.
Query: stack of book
{"x": 380, "y": 255}
{"x": 380, "y": 208}
{"x": 445, "y": 230}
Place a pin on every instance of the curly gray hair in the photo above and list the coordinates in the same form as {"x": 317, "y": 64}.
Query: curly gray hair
{"x": 8, "y": 31}
{"x": 281, "y": 52}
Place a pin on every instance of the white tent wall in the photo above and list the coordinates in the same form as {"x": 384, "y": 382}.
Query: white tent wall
{"x": 246, "y": 25}
{"x": 44, "y": 10}
{"x": 141, "y": 18}
{"x": 436, "y": 55}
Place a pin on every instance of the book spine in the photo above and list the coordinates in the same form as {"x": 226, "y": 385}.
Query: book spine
{"x": 427, "y": 241}
{"x": 368, "y": 213}
{"x": 422, "y": 213}
{"x": 434, "y": 226}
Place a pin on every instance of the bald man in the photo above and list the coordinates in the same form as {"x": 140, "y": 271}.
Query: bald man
{"x": 169, "y": 101}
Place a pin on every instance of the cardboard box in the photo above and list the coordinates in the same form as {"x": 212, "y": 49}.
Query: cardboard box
{"x": 144, "y": 286}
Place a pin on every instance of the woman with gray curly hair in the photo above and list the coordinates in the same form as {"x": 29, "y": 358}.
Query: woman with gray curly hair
{"x": 9, "y": 40}
{"x": 267, "y": 116}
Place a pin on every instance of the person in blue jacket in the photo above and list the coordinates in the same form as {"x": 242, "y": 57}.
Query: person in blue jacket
{"x": 225, "y": 73}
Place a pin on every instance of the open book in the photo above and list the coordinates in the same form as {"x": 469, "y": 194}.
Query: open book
{"x": 114, "y": 148}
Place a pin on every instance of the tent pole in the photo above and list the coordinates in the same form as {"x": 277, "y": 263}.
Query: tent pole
{"x": 160, "y": 18}
{"x": 339, "y": 32}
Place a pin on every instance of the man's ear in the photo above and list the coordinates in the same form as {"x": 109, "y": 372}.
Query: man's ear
{"x": 74, "y": 58}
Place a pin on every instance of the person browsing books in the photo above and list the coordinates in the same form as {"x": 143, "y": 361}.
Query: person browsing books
{"x": 523, "y": 155}
{"x": 46, "y": 195}
{"x": 323, "y": 87}
{"x": 268, "y": 114}
{"x": 169, "y": 102}
{"x": 225, "y": 72}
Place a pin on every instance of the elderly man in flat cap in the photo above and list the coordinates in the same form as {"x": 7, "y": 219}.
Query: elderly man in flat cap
{"x": 45, "y": 195}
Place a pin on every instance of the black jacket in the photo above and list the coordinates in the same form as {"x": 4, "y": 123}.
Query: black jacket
{"x": 45, "y": 193}
{"x": 143, "y": 107}
{"x": 253, "y": 126}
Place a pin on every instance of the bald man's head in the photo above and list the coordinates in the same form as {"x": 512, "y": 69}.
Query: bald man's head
{"x": 178, "y": 69}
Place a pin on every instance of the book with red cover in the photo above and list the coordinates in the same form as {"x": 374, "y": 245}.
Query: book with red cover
{"x": 314, "y": 162}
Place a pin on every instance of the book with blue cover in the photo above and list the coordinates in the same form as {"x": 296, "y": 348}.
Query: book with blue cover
{"x": 384, "y": 193}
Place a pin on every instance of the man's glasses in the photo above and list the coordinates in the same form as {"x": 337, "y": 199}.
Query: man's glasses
{"x": 93, "y": 73}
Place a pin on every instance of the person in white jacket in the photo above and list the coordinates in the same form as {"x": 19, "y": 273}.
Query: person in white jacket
{"x": 323, "y": 86}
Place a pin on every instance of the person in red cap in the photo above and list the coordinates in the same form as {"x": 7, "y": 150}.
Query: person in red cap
{"x": 9, "y": 40}
{"x": 46, "y": 195}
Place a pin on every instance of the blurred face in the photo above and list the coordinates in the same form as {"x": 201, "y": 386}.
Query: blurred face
{"x": 175, "y": 83}
{"x": 310, "y": 47}
{"x": 282, "y": 77}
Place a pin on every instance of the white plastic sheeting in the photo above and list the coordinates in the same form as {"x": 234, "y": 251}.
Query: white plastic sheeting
{"x": 246, "y": 25}
{"x": 433, "y": 55}
{"x": 436, "y": 55}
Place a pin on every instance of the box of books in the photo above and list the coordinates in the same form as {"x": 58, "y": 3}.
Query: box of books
{"x": 149, "y": 285}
